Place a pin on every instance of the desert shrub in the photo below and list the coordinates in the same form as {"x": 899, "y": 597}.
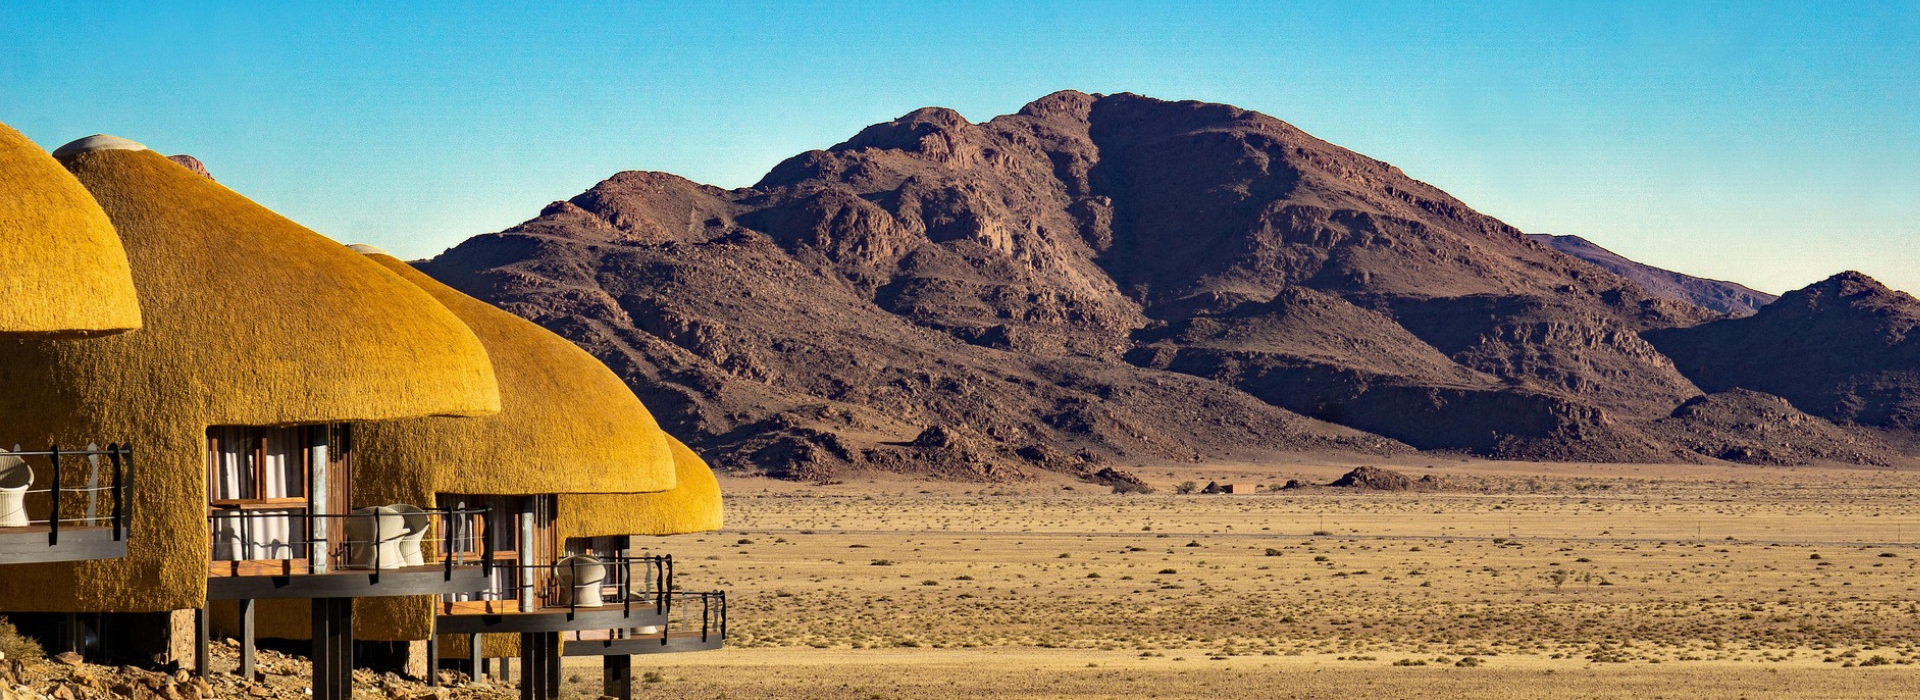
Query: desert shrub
{"x": 14, "y": 645}
{"x": 1186, "y": 487}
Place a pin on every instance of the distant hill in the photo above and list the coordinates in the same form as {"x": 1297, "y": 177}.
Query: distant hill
{"x": 1846, "y": 348}
{"x": 1102, "y": 279}
{"x": 1725, "y": 297}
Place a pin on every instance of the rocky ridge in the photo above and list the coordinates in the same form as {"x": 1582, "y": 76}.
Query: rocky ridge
{"x": 1714, "y": 295}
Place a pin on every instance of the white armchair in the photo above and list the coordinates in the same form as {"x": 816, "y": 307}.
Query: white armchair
{"x": 15, "y": 478}
{"x": 580, "y": 577}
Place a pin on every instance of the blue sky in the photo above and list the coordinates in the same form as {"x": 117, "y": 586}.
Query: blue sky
{"x": 1773, "y": 144}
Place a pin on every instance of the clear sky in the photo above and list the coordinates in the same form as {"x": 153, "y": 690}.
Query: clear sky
{"x": 1772, "y": 144}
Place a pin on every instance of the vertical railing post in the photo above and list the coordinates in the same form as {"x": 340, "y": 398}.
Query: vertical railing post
{"x": 447, "y": 545}
{"x": 486, "y": 541}
{"x": 53, "y": 524}
{"x": 119, "y": 481}
{"x": 126, "y": 462}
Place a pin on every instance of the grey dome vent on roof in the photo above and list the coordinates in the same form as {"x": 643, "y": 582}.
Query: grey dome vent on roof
{"x": 97, "y": 142}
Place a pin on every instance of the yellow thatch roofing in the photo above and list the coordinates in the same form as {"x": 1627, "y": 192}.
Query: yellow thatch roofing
{"x": 250, "y": 320}
{"x": 65, "y": 272}
{"x": 567, "y": 424}
{"x": 693, "y": 506}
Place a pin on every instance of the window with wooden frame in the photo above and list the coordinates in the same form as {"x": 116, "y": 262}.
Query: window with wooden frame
{"x": 523, "y": 536}
{"x": 261, "y": 486}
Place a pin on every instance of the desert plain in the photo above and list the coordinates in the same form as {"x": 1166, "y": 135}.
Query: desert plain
{"x": 1518, "y": 580}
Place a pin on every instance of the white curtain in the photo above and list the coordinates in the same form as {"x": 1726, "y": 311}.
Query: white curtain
{"x": 262, "y": 534}
{"x": 232, "y": 468}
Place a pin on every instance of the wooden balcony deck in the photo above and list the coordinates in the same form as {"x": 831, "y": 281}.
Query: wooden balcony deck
{"x": 669, "y": 643}
{"x": 473, "y": 617}
{"x": 23, "y": 545}
{"x": 291, "y": 579}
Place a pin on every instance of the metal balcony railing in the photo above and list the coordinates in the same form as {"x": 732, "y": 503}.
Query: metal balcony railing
{"x": 712, "y": 619}
{"x": 628, "y": 581}
{"x": 366, "y": 541}
{"x": 63, "y": 504}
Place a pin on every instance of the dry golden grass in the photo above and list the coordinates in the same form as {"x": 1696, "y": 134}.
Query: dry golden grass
{"x": 1555, "y": 580}
{"x": 916, "y": 674}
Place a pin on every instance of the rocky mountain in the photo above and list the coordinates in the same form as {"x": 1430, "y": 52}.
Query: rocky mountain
{"x": 1845, "y": 349}
{"x": 1094, "y": 279}
{"x": 191, "y": 163}
{"x": 1714, "y": 295}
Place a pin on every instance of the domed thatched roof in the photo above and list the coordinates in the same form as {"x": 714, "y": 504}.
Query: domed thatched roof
{"x": 250, "y": 319}
{"x": 66, "y": 274}
{"x": 692, "y": 506}
{"x": 266, "y": 322}
{"x": 567, "y": 424}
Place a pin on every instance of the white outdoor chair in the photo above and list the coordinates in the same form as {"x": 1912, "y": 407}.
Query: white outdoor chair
{"x": 417, "y": 524}
{"x": 580, "y": 577}
{"x": 373, "y": 538}
{"x": 15, "y": 478}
